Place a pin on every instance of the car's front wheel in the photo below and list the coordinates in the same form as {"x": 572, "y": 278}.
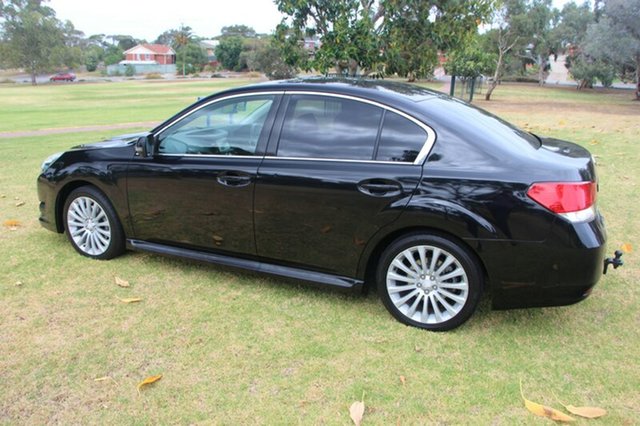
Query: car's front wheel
{"x": 429, "y": 282}
{"x": 92, "y": 225}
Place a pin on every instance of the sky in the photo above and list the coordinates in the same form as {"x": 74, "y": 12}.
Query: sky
{"x": 147, "y": 19}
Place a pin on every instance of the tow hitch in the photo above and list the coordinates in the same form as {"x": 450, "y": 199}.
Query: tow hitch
{"x": 615, "y": 261}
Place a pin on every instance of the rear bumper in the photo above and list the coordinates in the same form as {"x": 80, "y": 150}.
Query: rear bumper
{"x": 559, "y": 271}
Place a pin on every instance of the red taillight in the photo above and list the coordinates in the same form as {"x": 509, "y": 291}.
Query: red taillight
{"x": 564, "y": 197}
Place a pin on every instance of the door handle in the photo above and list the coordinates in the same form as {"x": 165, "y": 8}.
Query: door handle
{"x": 380, "y": 187}
{"x": 234, "y": 179}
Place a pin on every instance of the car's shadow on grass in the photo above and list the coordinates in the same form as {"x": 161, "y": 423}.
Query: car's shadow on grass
{"x": 484, "y": 320}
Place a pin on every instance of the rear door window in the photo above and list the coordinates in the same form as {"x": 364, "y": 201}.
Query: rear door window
{"x": 326, "y": 127}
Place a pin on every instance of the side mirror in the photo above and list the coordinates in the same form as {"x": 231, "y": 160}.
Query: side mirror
{"x": 144, "y": 146}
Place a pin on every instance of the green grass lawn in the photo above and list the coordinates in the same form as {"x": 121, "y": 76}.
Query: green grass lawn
{"x": 72, "y": 105}
{"x": 235, "y": 348}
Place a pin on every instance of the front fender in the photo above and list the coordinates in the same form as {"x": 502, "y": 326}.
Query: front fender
{"x": 71, "y": 172}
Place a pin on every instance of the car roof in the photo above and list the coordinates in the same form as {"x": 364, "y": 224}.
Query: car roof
{"x": 380, "y": 90}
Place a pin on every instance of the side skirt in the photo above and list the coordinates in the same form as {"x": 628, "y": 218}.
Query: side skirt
{"x": 336, "y": 281}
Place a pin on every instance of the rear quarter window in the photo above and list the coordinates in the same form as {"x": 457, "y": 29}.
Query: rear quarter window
{"x": 400, "y": 140}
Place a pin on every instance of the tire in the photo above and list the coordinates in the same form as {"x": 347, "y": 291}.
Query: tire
{"x": 438, "y": 297}
{"x": 91, "y": 224}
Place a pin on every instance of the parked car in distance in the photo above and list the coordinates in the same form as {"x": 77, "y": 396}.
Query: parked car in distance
{"x": 345, "y": 183}
{"x": 63, "y": 76}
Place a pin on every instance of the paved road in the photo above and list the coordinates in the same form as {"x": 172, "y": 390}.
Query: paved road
{"x": 559, "y": 75}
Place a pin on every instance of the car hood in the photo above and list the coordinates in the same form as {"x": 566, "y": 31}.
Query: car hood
{"x": 115, "y": 142}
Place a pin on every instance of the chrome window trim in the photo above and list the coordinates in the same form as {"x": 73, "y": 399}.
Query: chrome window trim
{"x": 422, "y": 155}
{"x": 213, "y": 101}
{"x": 339, "y": 160}
{"x": 212, "y": 155}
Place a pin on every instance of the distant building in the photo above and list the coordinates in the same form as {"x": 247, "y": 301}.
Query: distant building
{"x": 311, "y": 44}
{"x": 159, "y": 54}
{"x": 209, "y": 47}
{"x": 145, "y": 59}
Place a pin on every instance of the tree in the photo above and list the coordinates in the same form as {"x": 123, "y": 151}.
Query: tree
{"x": 124, "y": 42}
{"x": 470, "y": 61}
{"x": 182, "y": 39}
{"x": 242, "y": 31}
{"x": 112, "y": 55}
{"x": 402, "y": 35}
{"x": 33, "y": 38}
{"x": 415, "y": 31}
{"x": 168, "y": 38}
{"x": 228, "y": 52}
{"x": 500, "y": 39}
{"x": 615, "y": 38}
{"x": 536, "y": 27}
{"x": 571, "y": 32}
{"x": 191, "y": 58}
{"x": 269, "y": 60}
{"x": 504, "y": 42}
{"x": 348, "y": 30}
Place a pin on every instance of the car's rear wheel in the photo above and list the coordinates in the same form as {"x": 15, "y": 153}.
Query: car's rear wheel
{"x": 92, "y": 225}
{"x": 429, "y": 282}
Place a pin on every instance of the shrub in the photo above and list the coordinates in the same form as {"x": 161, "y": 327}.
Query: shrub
{"x": 129, "y": 70}
{"x": 153, "y": 76}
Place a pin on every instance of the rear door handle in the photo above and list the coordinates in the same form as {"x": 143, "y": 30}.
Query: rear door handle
{"x": 380, "y": 187}
{"x": 234, "y": 179}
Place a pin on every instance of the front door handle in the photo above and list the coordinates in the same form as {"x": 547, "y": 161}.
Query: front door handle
{"x": 234, "y": 179}
{"x": 380, "y": 187}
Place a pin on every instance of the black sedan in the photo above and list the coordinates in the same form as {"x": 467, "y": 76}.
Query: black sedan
{"x": 348, "y": 184}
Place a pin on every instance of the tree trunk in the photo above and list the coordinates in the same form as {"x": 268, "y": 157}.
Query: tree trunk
{"x": 637, "y": 77}
{"x": 353, "y": 67}
{"x": 34, "y": 82}
{"x": 542, "y": 64}
{"x": 496, "y": 76}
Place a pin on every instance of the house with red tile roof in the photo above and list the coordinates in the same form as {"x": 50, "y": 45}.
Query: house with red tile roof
{"x": 150, "y": 53}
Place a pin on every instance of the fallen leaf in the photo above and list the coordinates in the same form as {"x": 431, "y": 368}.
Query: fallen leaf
{"x": 417, "y": 349}
{"x": 20, "y": 203}
{"x": 122, "y": 283}
{"x": 356, "y": 411}
{"x": 588, "y": 412}
{"x": 594, "y": 142}
{"x": 131, "y": 300}
{"x": 18, "y": 283}
{"x": 11, "y": 223}
{"x": 544, "y": 411}
{"x": 148, "y": 381}
{"x": 403, "y": 380}
{"x": 627, "y": 248}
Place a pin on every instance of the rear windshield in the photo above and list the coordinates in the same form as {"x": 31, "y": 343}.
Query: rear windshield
{"x": 482, "y": 123}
